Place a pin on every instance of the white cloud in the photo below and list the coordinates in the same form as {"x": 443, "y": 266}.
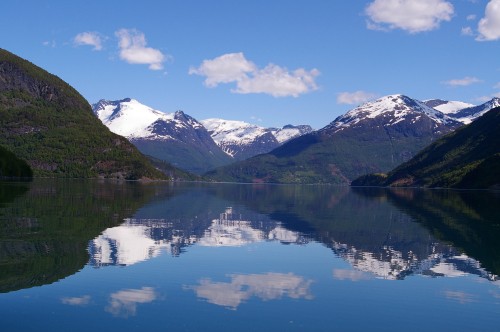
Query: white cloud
{"x": 497, "y": 86}
{"x": 467, "y": 31}
{"x": 471, "y": 17}
{"x": 489, "y": 25}
{"x": 90, "y": 39}
{"x": 411, "y": 15}
{"x": 356, "y": 97}
{"x": 226, "y": 68}
{"x": 463, "y": 81}
{"x": 272, "y": 79}
{"x": 132, "y": 44}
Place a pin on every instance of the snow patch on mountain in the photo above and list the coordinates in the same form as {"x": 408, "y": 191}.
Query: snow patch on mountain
{"x": 289, "y": 132}
{"x": 446, "y": 106}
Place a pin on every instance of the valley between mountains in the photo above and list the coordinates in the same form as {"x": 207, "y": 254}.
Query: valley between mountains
{"x": 48, "y": 129}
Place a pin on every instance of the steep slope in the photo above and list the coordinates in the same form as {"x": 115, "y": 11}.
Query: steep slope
{"x": 466, "y": 158}
{"x": 374, "y": 137}
{"x": 176, "y": 138}
{"x": 242, "y": 140}
{"x": 49, "y": 124}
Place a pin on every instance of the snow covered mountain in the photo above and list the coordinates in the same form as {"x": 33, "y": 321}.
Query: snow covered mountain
{"x": 176, "y": 138}
{"x": 374, "y": 137}
{"x": 242, "y": 140}
{"x": 393, "y": 110}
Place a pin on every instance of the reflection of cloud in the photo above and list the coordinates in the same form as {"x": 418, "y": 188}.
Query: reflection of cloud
{"x": 352, "y": 275}
{"x": 269, "y": 286}
{"x": 124, "y": 303}
{"x": 83, "y": 300}
{"x": 460, "y": 297}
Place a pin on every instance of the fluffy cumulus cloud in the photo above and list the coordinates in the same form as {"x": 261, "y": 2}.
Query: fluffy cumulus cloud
{"x": 489, "y": 25}
{"x": 90, "y": 39}
{"x": 411, "y": 15}
{"x": 227, "y": 68}
{"x": 272, "y": 79}
{"x": 462, "y": 81}
{"x": 357, "y": 97}
{"x": 132, "y": 44}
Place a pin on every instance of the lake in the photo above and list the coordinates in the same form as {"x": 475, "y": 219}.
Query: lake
{"x": 87, "y": 255}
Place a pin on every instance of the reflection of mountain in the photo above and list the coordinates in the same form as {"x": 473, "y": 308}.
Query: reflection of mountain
{"x": 46, "y": 225}
{"x": 364, "y": 227}
{"x": 231, "y": 230}
{"x": 137, "y": 240}
{"x": 374, "y": 235}
{"x": 49, "y": 228}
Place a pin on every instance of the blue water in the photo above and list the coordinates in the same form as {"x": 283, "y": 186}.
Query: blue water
{"x": 79, "y": 256}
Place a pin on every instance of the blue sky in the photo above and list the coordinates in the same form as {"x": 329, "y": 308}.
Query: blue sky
{"x": 268, "y": 62}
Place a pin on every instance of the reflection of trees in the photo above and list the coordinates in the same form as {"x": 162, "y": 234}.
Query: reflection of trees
{"x": 469, "y": 220}
{"x": 45, "y": 231}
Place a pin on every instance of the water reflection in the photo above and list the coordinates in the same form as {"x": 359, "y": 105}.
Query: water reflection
{"x": 50, "y": 229}
{"x": 46, "y": 225}
{"x": 377, "y": 237}
{"x": 137, "y": 239}
{"x": 76, "y": 301}
{"x": 280, "y": 253}
{"x": 241, "y": 287}
{"x": 460, "y": 296}
{"x": 124, "y": 303}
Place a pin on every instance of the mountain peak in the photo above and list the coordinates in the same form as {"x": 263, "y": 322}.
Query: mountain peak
{"x": 392, "y": 109}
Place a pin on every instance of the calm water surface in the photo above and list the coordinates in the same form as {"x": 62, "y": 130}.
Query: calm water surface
{"x": 87, "y": 255}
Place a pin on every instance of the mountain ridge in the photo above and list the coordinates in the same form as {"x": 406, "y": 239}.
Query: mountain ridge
{"x": 375, "y": 136}
{"x": 242, "y": 140}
